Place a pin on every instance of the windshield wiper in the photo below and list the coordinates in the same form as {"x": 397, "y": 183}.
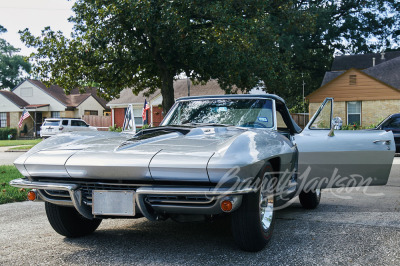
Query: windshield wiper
{"x": 208, "y": 124}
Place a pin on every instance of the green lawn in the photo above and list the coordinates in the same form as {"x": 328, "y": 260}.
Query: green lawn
{"x": 23, "y": 148}
{"x": 7, "y": 192}
{"x": 4, "y": 143}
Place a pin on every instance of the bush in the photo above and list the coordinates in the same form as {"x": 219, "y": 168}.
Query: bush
{"x": 356, "y": 126}
{"x": 6, "y": 131}
{"x": 115, "y": 128}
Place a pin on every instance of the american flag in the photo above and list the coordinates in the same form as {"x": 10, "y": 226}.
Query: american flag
{"x": 145, "y": 108}
{"x": 25, "y": 115}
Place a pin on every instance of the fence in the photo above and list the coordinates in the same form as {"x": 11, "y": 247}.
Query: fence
{"x": 101, "y": 122}
{"x": 300, "y": 119}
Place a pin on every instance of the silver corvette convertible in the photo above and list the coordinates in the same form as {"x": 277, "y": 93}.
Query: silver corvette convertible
{"x": 236, "y": 155}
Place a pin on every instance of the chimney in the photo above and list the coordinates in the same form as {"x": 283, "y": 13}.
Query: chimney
{"x": 382, "y": 56}
{"x": 373, "y": 61}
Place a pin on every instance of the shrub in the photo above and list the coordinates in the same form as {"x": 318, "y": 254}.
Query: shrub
{"x": 6, "y": 131}
{"x": 115, "y": 128}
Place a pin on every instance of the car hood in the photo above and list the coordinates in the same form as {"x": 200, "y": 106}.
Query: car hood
{"x": 160, "y": 154}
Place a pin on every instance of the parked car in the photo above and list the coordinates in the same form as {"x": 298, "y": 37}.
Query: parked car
{"x": 236, "y": 155}
{"x": 392, "y": 123}
{"x": 53, "y": 126}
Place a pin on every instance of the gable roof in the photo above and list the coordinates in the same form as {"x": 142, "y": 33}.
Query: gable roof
{"x": 392, "y": 89}
{"x": 91, "y": 91}
{"x": 330, "y": 75}
{"x": 72, "y": 100}
{"x": 387, "y": 72}
{"x": 361, "y": 61}
{"x": 15, "y": 99}
{"x": 180, "y": 90}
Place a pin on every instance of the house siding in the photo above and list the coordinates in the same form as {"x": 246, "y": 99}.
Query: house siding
{"x": 7, "y": 106}
{"x": 365, "y": 89}
{"x": 374, "y": 112}
{"x": 339, "y": 109}
{"x": 38, "y": 97}
{"x": 89, "y": 104}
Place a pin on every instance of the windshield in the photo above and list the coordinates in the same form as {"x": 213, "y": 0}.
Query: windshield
{"x": 236, "y": 112}
{"x": 51, "y": 122}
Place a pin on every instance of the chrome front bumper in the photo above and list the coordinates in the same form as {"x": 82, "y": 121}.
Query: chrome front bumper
{"x": 161, "y": 204}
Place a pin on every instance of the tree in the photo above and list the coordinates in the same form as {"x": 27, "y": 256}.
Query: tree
{"x": 333, "y": 27}
{"x": 145, "y": 44}
{"x": 12, "y": 66}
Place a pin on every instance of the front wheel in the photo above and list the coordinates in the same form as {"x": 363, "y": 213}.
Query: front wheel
{"x": 311, "y": 199}
{"x": 253, "y": 222}
{"x": 68, "y": 222}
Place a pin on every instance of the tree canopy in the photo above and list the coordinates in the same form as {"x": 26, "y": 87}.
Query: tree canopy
{"x": 12, "y": 66}
{"x": 242, "y": 43}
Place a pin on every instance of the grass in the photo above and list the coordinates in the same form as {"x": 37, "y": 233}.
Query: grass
{"x": 32, "y": 142}
{"x": 7, "y": 192}
{"x": 23, "y": 147}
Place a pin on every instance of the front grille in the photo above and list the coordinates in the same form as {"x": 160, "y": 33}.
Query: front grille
{"x": 163, "y": 199}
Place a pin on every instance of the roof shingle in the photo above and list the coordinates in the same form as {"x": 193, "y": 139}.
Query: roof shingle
{"x": 14, "y": 98}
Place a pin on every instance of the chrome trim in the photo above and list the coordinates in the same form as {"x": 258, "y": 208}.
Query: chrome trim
{"x": 193, "y": 191}
{"x": 217, "y": 194}
{"x": 75, "y": 194}
{"x": 63, "y": 202}
{"x": 24, "y": 183}
{"x": 387, "y": 141}
{"x": 318, "y": 112}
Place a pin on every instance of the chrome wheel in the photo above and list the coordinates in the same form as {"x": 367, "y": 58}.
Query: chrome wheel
{"x": 266, "y": 209}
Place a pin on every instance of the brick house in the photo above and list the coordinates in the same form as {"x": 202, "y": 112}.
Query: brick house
{"x": 118, "y": 106}
{"x": 366, "y": 88}
{"x": 42, "y": 102}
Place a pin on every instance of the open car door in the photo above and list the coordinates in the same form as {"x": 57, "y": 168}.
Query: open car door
{"x": 330, "y": 158}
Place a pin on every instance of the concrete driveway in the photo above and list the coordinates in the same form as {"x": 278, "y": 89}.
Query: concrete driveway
{"x": 351, "y": 228}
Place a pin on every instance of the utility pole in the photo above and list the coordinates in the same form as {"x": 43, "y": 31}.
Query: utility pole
{"x": 188, "y": 84}
{"x": 304, "y": 101}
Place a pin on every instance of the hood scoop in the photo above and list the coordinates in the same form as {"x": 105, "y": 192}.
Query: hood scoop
{"x": 150, "y": 136}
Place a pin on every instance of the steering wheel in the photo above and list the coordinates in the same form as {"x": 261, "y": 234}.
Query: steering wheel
{"x": 254, "y": 124}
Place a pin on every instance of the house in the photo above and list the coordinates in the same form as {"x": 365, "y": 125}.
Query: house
{"x": 118, "y": 106}
{"x": 366, "y": 88}
{"x": 43, "y": 102}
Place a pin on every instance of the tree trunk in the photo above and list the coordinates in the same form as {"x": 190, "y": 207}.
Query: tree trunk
{"x": 167, "y": 91}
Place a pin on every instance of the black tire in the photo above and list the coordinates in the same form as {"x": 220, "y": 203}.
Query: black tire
{"x": 247, "y": 225}
{"x": 68, "y": 222}
{"x": 311, "y": 199}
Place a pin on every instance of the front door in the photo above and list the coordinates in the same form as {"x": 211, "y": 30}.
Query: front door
{"x": 38, "y": 122}
{"x": 341, "y": 158}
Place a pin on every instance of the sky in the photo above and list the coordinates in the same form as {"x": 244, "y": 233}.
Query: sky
{"x": 16, "y": 15}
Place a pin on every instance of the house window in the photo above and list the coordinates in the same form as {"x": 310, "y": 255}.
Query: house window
{"x": 354, "y": 113}
{"x": 55, "y": 114}
{"x": 138, "y": 121}
{"x": 91, "y": 112}
{"x": 353, "y": 80}
{"x": 3, "y": 119}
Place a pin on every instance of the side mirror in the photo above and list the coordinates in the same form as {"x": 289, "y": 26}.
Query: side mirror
{"x": 336, "y": 123}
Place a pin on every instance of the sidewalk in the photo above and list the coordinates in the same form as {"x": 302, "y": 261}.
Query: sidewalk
{"x": 8, "y": 158}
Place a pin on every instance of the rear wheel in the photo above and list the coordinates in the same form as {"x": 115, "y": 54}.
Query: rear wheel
{"x": 68, "y": 222}
{"x": 311, "y": 199}
{"x": 253, "y": 222}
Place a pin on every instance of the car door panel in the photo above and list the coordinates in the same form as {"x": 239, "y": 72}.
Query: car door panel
{"x": 342, "y": 158}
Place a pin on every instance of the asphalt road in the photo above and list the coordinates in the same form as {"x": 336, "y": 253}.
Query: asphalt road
{"x": 351, "y": 228}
